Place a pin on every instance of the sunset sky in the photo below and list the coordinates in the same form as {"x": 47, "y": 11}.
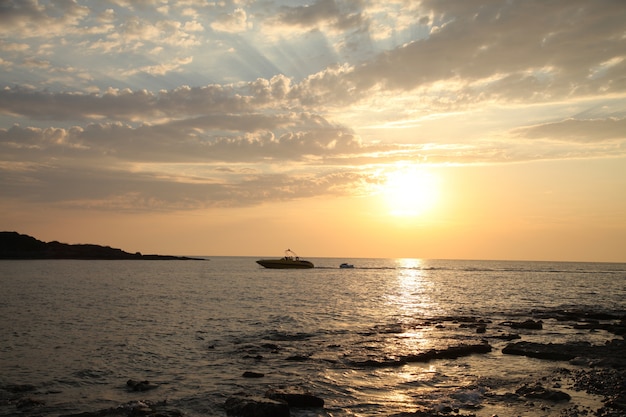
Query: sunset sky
{"x": 342, "y": 128}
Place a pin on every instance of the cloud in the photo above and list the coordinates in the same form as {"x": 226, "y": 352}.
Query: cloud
{"x": 29, "y": 19}
{"x": 234, "y": 22}
{"x": 135, "y": 32}
{"x": 128, "y": 105}
{"x": 322, "y": 13}
{"x": 125, "y": 104}
{"x": 162, "y": 68}
{"x": 582, "y": 131}
{"x": 192, "y": 104}
{"x": 113, "y": 189}
{"x": 9, "y": 47}
{"x": 175, "y": 167}
{"x": 514, "y": 42}
{"x": 234, "y": 138}
{"x": 342, "y": 25}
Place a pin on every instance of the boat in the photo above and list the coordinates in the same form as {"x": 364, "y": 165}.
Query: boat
{"x": 289, "y": 261}
{"x": 346, "y": 265}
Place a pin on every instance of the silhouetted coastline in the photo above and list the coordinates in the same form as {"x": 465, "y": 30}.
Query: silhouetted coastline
{"x": 14, "y": 245}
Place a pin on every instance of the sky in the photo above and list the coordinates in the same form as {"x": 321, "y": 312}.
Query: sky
{"x": 475, "y": 129}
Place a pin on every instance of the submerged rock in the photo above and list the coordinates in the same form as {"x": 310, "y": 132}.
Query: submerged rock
{"x": 451, "y": 352}
{"x": 133, "y": 408}
{"x": 140, "y": 385}
{"x": 28, "y": 402}
{"x": 433, "y": 413}
{"x": 610, "y": 354}
{"x": 242, "y": 406}
{"x": 297, "y": 398}
{"x": 18, "y": 388}
{"x": 540, "y": 351}
{"x": 251, "y": 374}
{"x": 508, "y": 337}
{"x": 275, "y": 403}
{"x": 540, "y": 392}
{"x": 528, "y": 324}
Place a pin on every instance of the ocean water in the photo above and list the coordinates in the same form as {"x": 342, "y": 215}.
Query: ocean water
{"x": 76, "y": 331}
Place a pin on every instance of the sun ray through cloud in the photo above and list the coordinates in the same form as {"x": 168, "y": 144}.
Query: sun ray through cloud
{"x": 178, "y": 107}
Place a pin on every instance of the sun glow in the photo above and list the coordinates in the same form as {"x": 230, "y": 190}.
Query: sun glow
{"x": 410, "y": 191}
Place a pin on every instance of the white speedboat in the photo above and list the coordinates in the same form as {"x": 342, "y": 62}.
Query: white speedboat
{"x": 289, "y": 261}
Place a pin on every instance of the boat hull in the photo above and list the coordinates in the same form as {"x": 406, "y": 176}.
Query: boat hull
{"x": 284, "y": 264}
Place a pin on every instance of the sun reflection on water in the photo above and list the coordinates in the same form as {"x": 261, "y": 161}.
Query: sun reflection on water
{"x": 410, "y": 304}
{"x": 411, "y": 297}
{"x": 409, "y": 263}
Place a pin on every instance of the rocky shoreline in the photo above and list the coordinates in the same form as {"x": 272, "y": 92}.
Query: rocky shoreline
{"x": 580, "y": 366}
{"x": 17, "y": 246}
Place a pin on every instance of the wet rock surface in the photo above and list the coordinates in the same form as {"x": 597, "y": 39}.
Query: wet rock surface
{"x": 276, "y": 402}
{"x": 133, "y": 409}
{"x": 252, "y": 374}
{"x": 597, "y": 369}
{"x": 452, "y": 352}
{"x": 295, "y": 398}
{"x": 133, "y": 385}
{"x": 600, "y": 369}
{"x": 611, "y": 354}
{"x": 251, "y": 406}
{"x": 540, "y": 392}
{"x": 527, "y": 324}
{"x": 610, "y": 383}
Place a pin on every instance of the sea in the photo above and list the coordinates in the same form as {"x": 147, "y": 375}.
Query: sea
{"x": 73, "y": 332}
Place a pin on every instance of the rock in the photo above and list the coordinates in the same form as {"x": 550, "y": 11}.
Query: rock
{"x": 250, "y": 374}
{"x": 28, "y": 402}
{"x": 433, "y": 413}
{"x": 296, "y": 398}
{"x": 528, "y": 324}
{"x": 140, "y": 408}
{"x": 18, "y": 388}
{"x": 617, "y": 402}
{"x": 610, "y": 354}
{"x": 379, "y": 363}
{"x": 451, "y": 352}
{"x": 297, "y": 358}
{"x": 548, "y": 351}
{"x": 133, "y": 409}
{"x": 538, "y": 391}
{"x": 273, "y": 347}
{"x": 140, "y": 385}
{"x": 255, "y": 357}
{"x": 509, "y": 337}
{"x": 256, "y": 407}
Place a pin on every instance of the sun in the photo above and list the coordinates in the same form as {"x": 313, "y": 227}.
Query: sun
{"x": 410, "y": 191}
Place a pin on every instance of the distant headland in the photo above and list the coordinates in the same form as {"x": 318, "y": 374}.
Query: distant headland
{"x": 17, "y": 246}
